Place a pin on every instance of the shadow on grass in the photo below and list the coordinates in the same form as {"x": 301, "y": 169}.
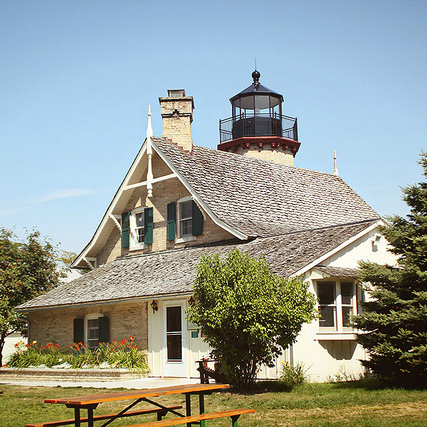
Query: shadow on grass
{"x": 380, "y": 384}
{"x": 368, "y": 384}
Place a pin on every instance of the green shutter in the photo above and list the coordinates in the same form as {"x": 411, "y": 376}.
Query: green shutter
{"x": 197, "y": 220}
{"x": 148, "y": 226}
{"x": 104, "y": 329}
{"x": 171, "y": 227}
{"x": 78, "y": 335}
{"x": 125, "y": 230}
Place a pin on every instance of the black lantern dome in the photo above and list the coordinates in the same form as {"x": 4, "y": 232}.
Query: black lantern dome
{"x": 257, "y": 119}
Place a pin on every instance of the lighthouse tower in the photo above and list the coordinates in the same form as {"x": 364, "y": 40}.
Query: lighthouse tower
{"x": 257, "y": 127}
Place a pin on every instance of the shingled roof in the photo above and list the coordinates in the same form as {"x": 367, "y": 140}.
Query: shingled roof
{"x": 262, "y": 198}
{"x": 173, "y": 272}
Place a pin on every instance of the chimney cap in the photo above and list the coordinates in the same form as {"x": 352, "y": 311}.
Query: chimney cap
{"x": 176, "y": 93}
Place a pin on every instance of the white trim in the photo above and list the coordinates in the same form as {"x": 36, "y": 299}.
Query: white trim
{"x": 112, "y": 206}
{"x": 88, "y": 260}
{"x": 143, "y": 183}
{"x": 124, "y": 186}
{"x": 113, "y": 217}
{"x": 149, "y": 155}
{"x": 337, "y": 249}
{"x": 175, "y": 368}
{"x": 199, "y": 201}
{"x": 335, "y": 336}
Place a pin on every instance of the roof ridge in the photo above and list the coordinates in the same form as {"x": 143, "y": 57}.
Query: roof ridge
{"x": 347, "y": 224}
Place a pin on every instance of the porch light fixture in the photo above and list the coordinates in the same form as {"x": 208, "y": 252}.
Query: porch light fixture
{"x": 191, "y": 301}
{"x": 154, "y": 306}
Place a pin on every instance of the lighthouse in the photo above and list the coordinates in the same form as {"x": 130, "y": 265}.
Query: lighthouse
{"x": 257, "y": 127}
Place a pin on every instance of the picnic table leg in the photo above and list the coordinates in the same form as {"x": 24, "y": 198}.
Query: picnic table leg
{"x": 202, "y": 407}
{"x": 77, "y": 417}
{"x": 188, "y": 406}
{"x": 90, "y": 417}
{"x": 234, "y": 420}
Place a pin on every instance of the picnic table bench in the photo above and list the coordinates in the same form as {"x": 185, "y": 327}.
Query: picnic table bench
{"x": 91, "y": 402}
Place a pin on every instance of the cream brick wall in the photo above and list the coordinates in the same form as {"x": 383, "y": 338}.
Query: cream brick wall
{"x": 177, "y": 114}
{"x": 277, "y": 155}
{"x": 164, "y": 192}
{"x": 56, "y": 326}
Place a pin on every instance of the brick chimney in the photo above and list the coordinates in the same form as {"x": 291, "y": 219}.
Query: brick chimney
{"x": 177, "y": 114}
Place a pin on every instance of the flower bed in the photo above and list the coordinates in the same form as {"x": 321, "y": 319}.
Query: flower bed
{"x": 117, "y": 354}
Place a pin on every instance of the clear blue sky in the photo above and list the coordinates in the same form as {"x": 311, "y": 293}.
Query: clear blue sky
{"x": 76, "y": 79}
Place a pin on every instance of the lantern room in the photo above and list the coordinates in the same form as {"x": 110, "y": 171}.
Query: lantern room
{"x": 257, "y": 127}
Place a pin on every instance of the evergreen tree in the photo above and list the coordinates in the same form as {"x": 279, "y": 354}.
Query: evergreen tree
{"x": 394, "y": 323}
{"x": 26, "y": 270}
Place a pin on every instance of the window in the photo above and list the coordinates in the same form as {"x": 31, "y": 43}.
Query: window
{"x": 92, "y": 333}
{"x": 337, "y": 302}
{"x": 185, "y": 218}
{"x": 138, "y": 229}
{"x": 96, "y": 329}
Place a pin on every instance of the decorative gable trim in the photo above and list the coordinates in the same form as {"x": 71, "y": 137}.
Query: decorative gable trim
{"x": 112, "y": 206}
{"x": 338, "y": 248}
{"x": 110, "y": 216}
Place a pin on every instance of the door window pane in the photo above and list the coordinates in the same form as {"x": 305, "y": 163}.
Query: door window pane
{"x": 174, "y": 344}
{"x": 174, "y": 333}
{"x": 174, "y": 319}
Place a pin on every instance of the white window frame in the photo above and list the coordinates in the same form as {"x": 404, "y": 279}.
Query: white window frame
{"x": 91, "y": 316}
{"x": 134, "y": 244}
{"x": 180, "y": 237}
{"x": 338, "y": 306}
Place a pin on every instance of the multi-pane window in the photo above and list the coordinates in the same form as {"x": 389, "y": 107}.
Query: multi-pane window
{"x": 337, "y": 302}
{"x": 185, "y": 218}
{"x": 139, "y": 227}
{"x": 93, "y": 333}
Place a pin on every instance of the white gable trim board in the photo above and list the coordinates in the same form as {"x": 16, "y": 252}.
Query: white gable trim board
{"x": 125, "y": 186}
{"x": 338, "y": 249}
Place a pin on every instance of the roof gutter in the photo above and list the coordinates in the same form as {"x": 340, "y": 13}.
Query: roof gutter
{"x": 105, "y": 302}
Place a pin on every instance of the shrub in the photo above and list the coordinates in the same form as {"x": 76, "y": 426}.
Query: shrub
{"x": 293, "y": 375}
{"x": 247, "y": 313}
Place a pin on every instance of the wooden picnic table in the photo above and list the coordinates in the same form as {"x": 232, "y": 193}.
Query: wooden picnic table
{"x": 91, "y": 402}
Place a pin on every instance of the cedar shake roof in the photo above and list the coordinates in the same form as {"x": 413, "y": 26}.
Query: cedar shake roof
{"x": 173, "y": 272}
{"x": 338, "y": 271}
{"x": 262, "y": 198}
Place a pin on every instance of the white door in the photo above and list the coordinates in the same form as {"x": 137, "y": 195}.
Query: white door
{"x": 175, "y": 340}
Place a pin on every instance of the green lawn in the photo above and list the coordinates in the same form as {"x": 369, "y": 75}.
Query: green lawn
{"x": 364, "y": 403}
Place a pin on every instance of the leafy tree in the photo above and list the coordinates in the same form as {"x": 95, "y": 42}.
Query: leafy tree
{"x": 394, "y": 322}
{"x": 26, "y": 270}
{"x": 66, "y": 258}
{"x": 247, "y": 313}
